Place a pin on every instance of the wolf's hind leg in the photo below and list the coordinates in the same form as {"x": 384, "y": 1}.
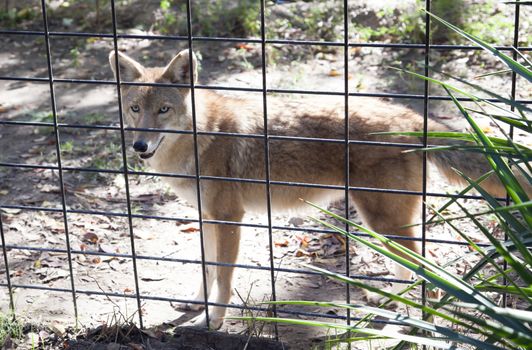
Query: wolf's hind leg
{"x": 388, "y": 214}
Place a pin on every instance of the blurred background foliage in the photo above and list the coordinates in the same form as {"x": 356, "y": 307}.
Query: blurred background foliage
{"x": 306, "y": 20}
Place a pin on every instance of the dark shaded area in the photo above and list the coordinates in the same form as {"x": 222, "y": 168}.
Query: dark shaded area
{"x": 185, "y": 338}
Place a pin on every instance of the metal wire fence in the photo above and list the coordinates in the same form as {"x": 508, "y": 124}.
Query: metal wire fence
{"x": 198, "y": 177}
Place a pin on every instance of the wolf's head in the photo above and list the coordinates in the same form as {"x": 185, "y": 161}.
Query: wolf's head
{"x": 155, "y": 107}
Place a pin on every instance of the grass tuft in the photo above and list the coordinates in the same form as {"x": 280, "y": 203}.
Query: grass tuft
{"x": 10, "y": 328}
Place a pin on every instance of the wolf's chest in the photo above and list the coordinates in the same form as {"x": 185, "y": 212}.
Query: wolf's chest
{"x": 182, "y": 179}
{"x": 185, "y": 189}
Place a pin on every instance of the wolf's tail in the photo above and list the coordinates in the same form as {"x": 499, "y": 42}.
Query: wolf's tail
{"x": 473, "y": 165}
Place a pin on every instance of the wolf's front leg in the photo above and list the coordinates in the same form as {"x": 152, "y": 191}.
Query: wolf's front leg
{"x": 209, "y": 246}
{"x": 227, "y": 239}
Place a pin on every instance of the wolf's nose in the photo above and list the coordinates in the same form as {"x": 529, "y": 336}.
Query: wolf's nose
{"x": 140, "y": 146}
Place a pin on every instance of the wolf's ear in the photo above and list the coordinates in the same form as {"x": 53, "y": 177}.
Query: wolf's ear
{"x": 130, "y": 69}
{"x": 178, "y": 70}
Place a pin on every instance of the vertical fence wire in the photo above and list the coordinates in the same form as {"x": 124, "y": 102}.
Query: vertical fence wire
{"x": 346, "y": 155}
{"x": 512, "y": 108}
{"x": 190, "y": 39}
{"x": 197, "y": 160}
{"x": 58, "y": 155}
{"x": 425, "y": 143}
{"x": 267, "y": 158}
{"x": 8, "y": 274}
{"x": 125, "y": 169}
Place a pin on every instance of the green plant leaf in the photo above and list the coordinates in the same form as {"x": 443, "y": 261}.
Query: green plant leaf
{"x": 523, "y": 272}
{"x": 503, "y": 334}
{"x": 520, "y": 123}
{"x": 450, "y": 334}
{"x": 500, "y": 167}
{"x": 463, "y": 92}
{"x": 426, "y": 269}
{"x": 506, "y": 289}
{"x": 499, "y": 72}
{"x": 398, "y": 298}
{"x": 498, "y": 142}
{"x": 424, "y": 340}
{"x": 490, "y": 93}
{"x": 499, "y": 209}
{"x": 522, "y": 315}
{"x": 516, "y": 237}
{"x": 515, "y": 66}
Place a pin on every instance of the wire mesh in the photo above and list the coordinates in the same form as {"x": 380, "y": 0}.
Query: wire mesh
{"x": 190, "y": 39}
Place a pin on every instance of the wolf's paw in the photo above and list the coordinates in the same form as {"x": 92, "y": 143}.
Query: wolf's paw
{"x": 188, "y": 306}
{"x": 201, "y": 322}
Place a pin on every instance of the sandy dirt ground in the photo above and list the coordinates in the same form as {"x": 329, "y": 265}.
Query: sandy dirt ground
{"x": 163, "y": 246}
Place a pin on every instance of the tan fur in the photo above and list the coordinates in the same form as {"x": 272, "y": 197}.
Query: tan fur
{"x": 298, "y": 161}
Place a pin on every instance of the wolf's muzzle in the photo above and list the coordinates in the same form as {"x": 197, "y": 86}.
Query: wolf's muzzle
{"x": 141, "y": 147}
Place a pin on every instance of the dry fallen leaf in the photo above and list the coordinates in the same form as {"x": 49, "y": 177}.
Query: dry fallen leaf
{"x": 281, "y": 243}
{"x": 114, "y": 264}
{"x": 58, "y": 329}
{"x": 47, "y": 188}
{"x": 340, "y": 239}
{"x": 303, "y": 240}
{"x": 11, "y": 211}
{"x": 355, "y": 51}
{"x": 300, "y": 252}
{"x": 90, "y": 237}
{"x": 244, "y": 46}
{"x": 189, "y": 228}
{"x": 334, "y": 73}
{"x": 51, "y": 274}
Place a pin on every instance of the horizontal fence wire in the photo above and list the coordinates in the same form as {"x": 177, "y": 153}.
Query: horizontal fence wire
{"x": 214, "y": 263}
{"x": 233, "y": 306}
{"x": 259, "y": 41}
{"x": 258, "y": 90}
{"x": 189, "y": 40}
{"x": 244, "y": 180}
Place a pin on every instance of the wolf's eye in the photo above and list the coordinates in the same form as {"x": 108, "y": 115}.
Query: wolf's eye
{"x": 135, "y": 108}
{"x": 164, "y": 109}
